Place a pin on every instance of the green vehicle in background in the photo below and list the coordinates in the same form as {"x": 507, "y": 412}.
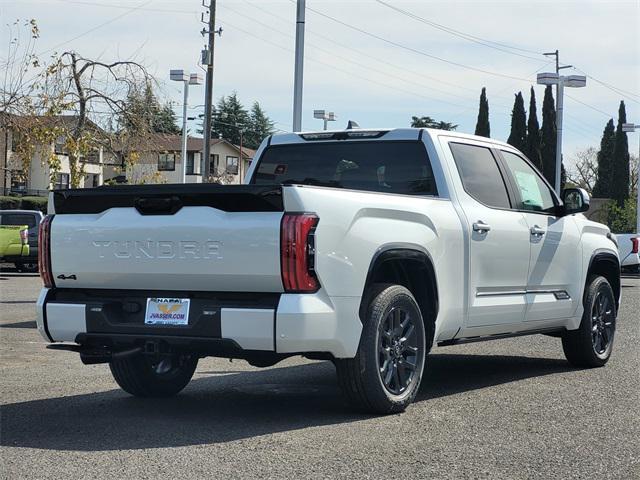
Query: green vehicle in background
{"x": 14, "y": 241}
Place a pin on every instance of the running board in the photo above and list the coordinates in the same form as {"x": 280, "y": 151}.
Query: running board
{"x": 498, "y": 336}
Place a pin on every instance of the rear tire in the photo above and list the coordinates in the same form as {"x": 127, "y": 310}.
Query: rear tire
{"x": 143, "y": 377}
{"x": 592, "y": 343}
{"x": 384, "y": 376}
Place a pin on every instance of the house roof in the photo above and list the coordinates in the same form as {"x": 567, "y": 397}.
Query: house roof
{"x": 164, "y": 142}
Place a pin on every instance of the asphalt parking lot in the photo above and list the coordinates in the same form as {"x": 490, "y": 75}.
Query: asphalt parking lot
{"x": 508, "y": 409}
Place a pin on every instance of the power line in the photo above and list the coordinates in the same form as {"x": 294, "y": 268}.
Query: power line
{"x": 466, "y": 36}
{"x": 415, "y": 50}
{"x": 118, "y": 17}
{"x": 359, "y": 64}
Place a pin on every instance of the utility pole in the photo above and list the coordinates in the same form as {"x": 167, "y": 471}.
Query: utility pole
{"x": 207, "y": 59}
{"x": 299, "y": 67}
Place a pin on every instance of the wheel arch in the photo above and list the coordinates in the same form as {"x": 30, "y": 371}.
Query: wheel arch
{"x": 411, "y": 267}
{"x": 606, "y": 264}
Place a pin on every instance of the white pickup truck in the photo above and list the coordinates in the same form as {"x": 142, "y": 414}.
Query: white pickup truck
{"x": 362, "y": 247}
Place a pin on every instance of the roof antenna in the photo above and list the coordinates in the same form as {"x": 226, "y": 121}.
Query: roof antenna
{"x": 352, "y": 125}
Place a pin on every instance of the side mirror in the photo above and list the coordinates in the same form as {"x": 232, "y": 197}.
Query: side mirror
{"x": 575, "y": 200}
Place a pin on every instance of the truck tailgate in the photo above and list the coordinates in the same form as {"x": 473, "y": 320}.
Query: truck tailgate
{"x": 123, "y": 239}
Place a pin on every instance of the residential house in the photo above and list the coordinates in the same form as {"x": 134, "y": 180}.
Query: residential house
{"x": 161, "y": 162}
{"x": 37, "y": 179}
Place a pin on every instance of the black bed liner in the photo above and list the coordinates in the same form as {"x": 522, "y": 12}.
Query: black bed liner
{"x": 168, "y": 199}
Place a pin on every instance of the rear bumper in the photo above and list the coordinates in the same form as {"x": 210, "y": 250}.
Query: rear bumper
{"x": 281, "y": 324}
{"x": 16, "y": 253}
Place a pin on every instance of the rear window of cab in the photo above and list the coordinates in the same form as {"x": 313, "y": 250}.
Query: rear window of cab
{"x": 401, "y": 167}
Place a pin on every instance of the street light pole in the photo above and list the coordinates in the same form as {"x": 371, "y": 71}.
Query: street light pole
{"x": 561, "y": 81}
{"x": 299, "y": 67}
{"x": 559, "y": 114}
{"x": 630, "y": 127}
{"x": 186, "y": 79}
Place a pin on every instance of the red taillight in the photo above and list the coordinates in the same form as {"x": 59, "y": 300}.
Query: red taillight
{"x": 297, "y": 252}
{"x": 44, "y": 251}
{"x": 634, "y": 244}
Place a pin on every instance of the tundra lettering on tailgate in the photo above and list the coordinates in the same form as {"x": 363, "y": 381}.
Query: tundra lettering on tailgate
{"x": 166, "y": 249}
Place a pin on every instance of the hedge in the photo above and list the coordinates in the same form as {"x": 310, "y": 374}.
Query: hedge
{"x": 23, "y": 203}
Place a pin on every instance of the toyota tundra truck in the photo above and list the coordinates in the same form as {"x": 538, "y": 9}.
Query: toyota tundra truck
{"x": 363, "y": 247}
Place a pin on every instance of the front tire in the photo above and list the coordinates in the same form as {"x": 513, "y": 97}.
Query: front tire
{"x": 592, "y": 343}
{"x": 143, "y": 377}
{"x": 384, "y": 376}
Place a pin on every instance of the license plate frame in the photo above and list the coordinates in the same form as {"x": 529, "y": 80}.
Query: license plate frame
{"x": 167, "y": 311}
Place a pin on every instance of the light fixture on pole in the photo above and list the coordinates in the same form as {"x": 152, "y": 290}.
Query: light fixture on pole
{"x": 325, "y": 116}
{"x": 630, "y": 128}
{"x": 187, "y": 79}
{"x": 560, "y": 81}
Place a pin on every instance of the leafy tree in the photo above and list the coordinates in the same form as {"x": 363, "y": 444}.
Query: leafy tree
{"x": 518, "y": 135}
{"x": 482, "y": 125}
{"x": 532, "y": 150}
{"x": 428, "y": 122}
{"x": 602, "y": 187}
{"x": 620, "y": 164}
{"x": 548, "y": 137}
{"x": 260, "y": 127}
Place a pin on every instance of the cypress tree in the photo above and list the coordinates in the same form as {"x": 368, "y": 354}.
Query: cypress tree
{"x": 548, "y": 137}
{"x": 482, "y": 126}
{"x": 518, "y": 135}
{"x": 620, "y": 166}
{"x": 602, "y": 188}
{"x": 533, "y": 133}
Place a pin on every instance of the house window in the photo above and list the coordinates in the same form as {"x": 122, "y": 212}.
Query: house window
{"x": 59, "y": 146}
{"x": 96, "y": 180}
{"x": 92, "y": 157}
{"x": 214, "y": 163}
{"x": 232, "y": 165}
{"x": 166, "y": 162}
{"x": 62, "y": 181}
{"x": 15, "y": 141}
{"x": 190, "y": 164}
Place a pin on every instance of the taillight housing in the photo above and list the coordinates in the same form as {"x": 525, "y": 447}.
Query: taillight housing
{"x": 297, "y": 252}
{"x": 44, "y": 251}
{"x": 634, "y": 244}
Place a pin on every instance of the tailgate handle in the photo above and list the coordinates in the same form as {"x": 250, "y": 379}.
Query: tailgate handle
{"x": 158, "y": 205}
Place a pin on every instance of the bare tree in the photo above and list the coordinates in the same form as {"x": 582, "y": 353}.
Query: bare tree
{"x": 95, "y": 93}
{"x": 584, "y": 173}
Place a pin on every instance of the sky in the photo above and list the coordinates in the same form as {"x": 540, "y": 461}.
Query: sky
{"x": 366, "y": 61}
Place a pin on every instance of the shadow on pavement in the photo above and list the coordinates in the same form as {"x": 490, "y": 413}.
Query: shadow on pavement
{"x": 223, "y": 408}
{"x": 25, "y": 324}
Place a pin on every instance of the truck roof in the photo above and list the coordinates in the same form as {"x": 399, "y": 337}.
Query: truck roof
{"x": 374, "y": 134}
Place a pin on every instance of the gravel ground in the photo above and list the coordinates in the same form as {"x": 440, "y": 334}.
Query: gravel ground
{"x": 509, "y": 409}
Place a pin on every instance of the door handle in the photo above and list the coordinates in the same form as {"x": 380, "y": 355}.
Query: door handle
{"x": 536, "y": 231}
{"x": 481, "y": 227}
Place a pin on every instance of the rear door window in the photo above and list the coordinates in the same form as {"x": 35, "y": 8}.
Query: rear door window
{"x": 480, "y": 174}
{"x": 381, "y": 166}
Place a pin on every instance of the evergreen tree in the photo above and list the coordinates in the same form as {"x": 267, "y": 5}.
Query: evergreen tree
{"x": 548, "y": 137}
{"x": 428, "y": 122}
{"x": 602, "y": 188}
{"x": 260, "y": 127}
{"x": 620, "y": 164}
{"x": 518, "y": 135}
{"x": 229, "y": 118}
{"x": 533, "y": 134}
{"x": 144, "y": 113}
{"x": 482, "y": 126}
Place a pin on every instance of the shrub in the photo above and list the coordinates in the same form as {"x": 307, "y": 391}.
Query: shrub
{"x": 9, "y": 203}
{"x": 34, "y": 203}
